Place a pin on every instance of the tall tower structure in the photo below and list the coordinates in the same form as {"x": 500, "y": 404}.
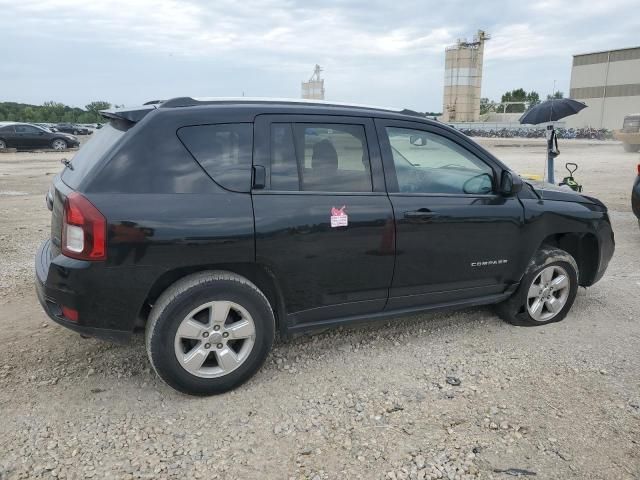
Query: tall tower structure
{"x": 463, "y": 79}
{"x": 314, "y": 88}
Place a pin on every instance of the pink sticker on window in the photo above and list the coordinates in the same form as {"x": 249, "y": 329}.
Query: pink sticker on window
{"x": 338, "y": 217}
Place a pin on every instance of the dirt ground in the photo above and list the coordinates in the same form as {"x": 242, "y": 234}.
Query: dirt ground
{"x": 561, "y": 401}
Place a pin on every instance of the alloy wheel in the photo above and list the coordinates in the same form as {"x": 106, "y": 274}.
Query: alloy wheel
{"x": 214, "y": 339}
{"x": 59, "y": 145}
{"x": 548, "y": 293}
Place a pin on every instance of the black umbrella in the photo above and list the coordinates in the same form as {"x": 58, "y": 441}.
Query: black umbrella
{"x": 551, "y": 111}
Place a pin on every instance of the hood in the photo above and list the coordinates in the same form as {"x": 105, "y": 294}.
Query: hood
{"x": 550, "y": 191}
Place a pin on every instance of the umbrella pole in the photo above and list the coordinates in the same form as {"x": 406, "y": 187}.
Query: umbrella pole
{"x": 550, "y": 156}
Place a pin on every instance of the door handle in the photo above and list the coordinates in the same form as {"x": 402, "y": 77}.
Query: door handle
{"x": 422, "y": 214}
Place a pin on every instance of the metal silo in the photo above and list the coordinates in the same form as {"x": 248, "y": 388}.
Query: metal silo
{"x": 463, "y": 79}
{"x": 314, "y": 88}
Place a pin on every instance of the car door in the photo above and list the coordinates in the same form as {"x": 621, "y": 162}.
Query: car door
{"x": 28, "y": 136}
{"x": 456, "y": 237}
{"x": 324, "y": 224}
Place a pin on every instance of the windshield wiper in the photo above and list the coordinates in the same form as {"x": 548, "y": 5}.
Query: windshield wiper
{"x": 67, "y": 163}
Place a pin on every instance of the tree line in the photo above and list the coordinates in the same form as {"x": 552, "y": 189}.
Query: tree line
{"x": 531, "y": 98}
{"x": 52, "y": 112}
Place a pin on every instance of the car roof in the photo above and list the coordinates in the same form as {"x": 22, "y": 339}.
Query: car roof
{"x": 265, "y": 105}
{"x": 199, "y": 101}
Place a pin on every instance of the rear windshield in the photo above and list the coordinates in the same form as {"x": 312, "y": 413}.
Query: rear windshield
{"x": 91, "y": 152}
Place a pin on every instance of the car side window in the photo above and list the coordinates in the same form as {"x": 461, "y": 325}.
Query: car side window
{"x": 429, "y": 163}
{"x": 26, "y": 129}
{"x": 319, "y": 157}
{"x": 224, "y": 151}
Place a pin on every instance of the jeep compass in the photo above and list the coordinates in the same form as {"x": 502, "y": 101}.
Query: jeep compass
{"x": 212, "y": 224}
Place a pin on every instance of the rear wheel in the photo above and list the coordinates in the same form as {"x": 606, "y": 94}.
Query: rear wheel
{"x": 209, "y": 333}
{"x": 547, "y": 290}
{"x": 631, "y": 147}
{"x": 59, "y": 144}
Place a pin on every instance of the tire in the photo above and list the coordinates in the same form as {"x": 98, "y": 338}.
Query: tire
{"x": 518, "y": 309}
{"x": 59, "y": 144}
{"x": 195, "y": 358}
{"x": 631, "y": 147}
{"x": 3, "y": 145}
{"x": 75, "y": 132}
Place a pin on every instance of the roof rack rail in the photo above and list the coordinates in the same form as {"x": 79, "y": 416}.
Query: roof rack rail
{"x": 192, "y": 102}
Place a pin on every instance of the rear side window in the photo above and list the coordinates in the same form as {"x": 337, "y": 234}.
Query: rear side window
{"x": 91, "y": 152}
{"x": 224, "y": 151}
{"x": 319, "y": 157}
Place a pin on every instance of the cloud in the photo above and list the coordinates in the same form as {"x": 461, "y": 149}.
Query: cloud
{"x": 373, "y": 51}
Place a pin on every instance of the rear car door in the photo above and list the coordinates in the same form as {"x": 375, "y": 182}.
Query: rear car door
{"x": 324, "y": 223}
{"x": 457, "y": 237}
{"x": 8, "y": 134}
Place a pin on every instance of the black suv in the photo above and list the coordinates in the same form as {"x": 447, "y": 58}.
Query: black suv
{"x": 212, "y": 224}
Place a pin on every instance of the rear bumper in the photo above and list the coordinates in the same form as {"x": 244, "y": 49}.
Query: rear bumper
{"x": 53, "y": 295}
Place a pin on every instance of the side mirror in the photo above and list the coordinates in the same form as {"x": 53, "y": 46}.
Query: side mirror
{"x": 418, "y": 140}
{"x": 510, "y": 183}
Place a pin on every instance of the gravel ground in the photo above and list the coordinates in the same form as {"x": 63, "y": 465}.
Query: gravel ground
{"x": 455, "y": 395}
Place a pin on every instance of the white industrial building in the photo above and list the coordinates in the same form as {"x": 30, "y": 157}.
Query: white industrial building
{"x": 609, "y": 83}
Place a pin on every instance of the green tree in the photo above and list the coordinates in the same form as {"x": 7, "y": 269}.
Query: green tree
{"x": 94, "y": 108}
{"x": 520, "y": 95}
{"x": 557, "y": 95}
{"x": 533, "y": 98}
{"x": 51, "y": 112}
{"x": 487, "y": 106}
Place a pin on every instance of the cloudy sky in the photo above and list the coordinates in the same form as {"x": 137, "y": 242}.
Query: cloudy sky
{"x": 373, "y": 51}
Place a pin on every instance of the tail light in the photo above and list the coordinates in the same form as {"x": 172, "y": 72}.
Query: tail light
{"x": 84, "y": 230}
{"x": 70, "y": 313}
{"x": 639, "y": 169}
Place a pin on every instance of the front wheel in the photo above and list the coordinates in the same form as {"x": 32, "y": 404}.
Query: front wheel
{"x": 209, "y": 333}
{"x": 59, "y": 144}
{"x": 547, "y": 290}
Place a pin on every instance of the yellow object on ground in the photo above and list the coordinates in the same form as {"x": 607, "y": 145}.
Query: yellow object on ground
{"x": 531, "y": 176}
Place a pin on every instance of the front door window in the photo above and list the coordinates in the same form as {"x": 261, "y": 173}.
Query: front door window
{"x": 429, "y": 163}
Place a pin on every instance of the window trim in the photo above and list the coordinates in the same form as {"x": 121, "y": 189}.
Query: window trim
{"x": 467, "y": 145}
{"x": 262, "y": 149}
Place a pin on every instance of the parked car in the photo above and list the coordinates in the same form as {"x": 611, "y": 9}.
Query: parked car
{"x": 635, "y": 196}
{"x": 73, "y": 128}
{"x": 25, "y": 136}
{"x": 630, "y": 133}
{"x": 213, "y": 224}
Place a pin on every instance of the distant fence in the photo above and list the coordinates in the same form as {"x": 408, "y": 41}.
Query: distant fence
{"x": 497, "y": 130}
{"x": 500, "y": 126}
